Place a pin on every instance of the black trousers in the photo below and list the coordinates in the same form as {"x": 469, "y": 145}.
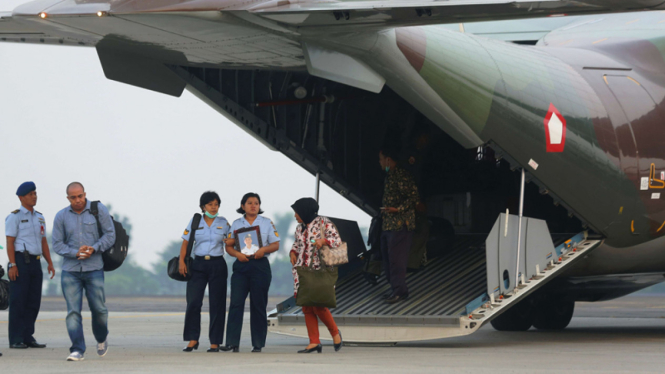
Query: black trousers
{"x": 25, "y": 298}
{"x": 212, "y": 273}
{"x": 251, "y": 277}
{"x": 395, "y": 246}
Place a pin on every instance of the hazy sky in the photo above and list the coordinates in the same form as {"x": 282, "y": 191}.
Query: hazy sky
{"x": 149, "y": 155}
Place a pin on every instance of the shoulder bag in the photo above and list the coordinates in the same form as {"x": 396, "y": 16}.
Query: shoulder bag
{"x": 333, "y": 256}
{"x": 317, "y": 287}
{"x": 173, "y": 268}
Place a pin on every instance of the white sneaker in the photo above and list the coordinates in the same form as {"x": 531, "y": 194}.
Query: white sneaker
{"x": 102, "y": 348}
{"x": 75, "y": 356}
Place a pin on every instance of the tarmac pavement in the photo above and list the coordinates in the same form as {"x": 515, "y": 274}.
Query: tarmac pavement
{"x": 622, "y": 336}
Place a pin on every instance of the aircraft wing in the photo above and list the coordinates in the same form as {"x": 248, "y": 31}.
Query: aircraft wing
{"x": 396, "y": 13}
{"x": 24, "y": 25}
{"x": 10, "y": 29}
{"x": 16, "y": 29}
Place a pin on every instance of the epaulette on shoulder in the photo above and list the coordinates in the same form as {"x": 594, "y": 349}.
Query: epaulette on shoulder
{"x": 38, "y": 212}
{"x": 16, "y": 211}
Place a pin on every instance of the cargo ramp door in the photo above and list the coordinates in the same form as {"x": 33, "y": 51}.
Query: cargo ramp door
{"x": 453, "y": 295}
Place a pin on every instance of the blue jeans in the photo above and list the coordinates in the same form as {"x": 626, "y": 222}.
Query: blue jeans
{"x": 73, "y": 284}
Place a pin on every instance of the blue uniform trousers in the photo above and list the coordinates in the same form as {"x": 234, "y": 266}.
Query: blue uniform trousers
{"x": 253, "y": 278}
{"x": 214, "y": 274}
{"x": 25, "y": 298}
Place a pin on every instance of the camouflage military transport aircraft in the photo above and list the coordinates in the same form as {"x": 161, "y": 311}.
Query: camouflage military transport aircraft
{"x": 481, "y": 95}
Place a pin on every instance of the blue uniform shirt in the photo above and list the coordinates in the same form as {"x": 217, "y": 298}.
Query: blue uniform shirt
{"x": 28, "y": 228}
{"x": 208, "y": 239}
{"x": 269, "y": 233}
{"x": 72, "y": 230}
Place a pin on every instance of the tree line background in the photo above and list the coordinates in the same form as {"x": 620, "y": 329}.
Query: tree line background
{"x": 132, "y": 279}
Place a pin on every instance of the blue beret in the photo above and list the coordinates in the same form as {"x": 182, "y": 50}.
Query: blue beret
{"x": 26, "y": 188}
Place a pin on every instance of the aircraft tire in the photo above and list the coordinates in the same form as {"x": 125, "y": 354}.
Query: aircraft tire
{"x": 518, "y": 318}
{"x": 553, "y": 315}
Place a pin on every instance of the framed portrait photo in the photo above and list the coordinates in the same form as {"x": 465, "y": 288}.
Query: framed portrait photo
{"x": 248, "y": 240}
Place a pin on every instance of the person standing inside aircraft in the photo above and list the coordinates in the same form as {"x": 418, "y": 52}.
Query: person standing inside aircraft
{"x": 25, "y": 229}
{"x": 413, "y": 159}
{"x": 251, "y": 274}
{"x": 305, "y": 252}
{"x": 400, "y": 197}
{"x": 208, "y": 269}
{"x": 76, "y": 239}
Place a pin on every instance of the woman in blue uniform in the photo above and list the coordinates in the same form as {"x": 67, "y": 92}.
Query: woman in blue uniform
{"x": 208, "y": 269}
{"x": 251, "y": 274}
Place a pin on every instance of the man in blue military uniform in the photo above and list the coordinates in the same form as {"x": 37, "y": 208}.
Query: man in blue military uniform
{"x": 77, "y": 240}
{"x": 26, "y": 244}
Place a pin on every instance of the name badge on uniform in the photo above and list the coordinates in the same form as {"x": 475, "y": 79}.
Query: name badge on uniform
{"x": 25, "y": 220}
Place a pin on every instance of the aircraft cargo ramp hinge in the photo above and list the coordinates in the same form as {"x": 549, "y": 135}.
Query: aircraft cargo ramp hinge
{"x": 509, "y": 280}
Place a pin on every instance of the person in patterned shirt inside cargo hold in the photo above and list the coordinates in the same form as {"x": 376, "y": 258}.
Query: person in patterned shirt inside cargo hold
{"x": 400, "y": 196}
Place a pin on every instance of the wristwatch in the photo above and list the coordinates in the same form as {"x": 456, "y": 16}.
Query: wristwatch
{"x": 10, "y": 265}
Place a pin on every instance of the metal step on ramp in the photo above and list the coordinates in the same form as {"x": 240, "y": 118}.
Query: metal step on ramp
{"x": 450, "y": 297}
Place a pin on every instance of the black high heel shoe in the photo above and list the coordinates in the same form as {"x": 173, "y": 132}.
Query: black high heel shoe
{"x": 189, "y": 349}
{"x": 213, "y": 349}
{"x": 256, "y": 350}
{"x": 318, "y": 349}
{"x": 341, "y": 342}
{"x": 227, "y": 348}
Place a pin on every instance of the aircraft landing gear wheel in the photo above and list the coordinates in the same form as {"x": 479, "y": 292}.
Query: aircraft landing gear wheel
{"x": 553, "y": 315}
{"x": 518, "y": 318}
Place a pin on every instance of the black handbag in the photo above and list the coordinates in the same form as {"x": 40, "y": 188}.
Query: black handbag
{"x": 173, "y": 269}
{"x": 4, "y": 291}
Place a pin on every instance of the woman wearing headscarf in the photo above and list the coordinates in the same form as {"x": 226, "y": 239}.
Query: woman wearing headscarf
{"x": 251, "y": 274}
{"x": 305, "y": 252}
{"x": 208, "y": 269}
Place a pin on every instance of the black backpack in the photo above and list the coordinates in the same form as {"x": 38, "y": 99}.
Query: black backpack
{"x": 114, "y": 256}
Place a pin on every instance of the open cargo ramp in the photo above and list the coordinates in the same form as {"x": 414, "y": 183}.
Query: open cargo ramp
{"x": 454, "y": 295}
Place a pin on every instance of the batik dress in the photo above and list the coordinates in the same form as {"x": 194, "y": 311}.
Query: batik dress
{"x": 306, "y": 251}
